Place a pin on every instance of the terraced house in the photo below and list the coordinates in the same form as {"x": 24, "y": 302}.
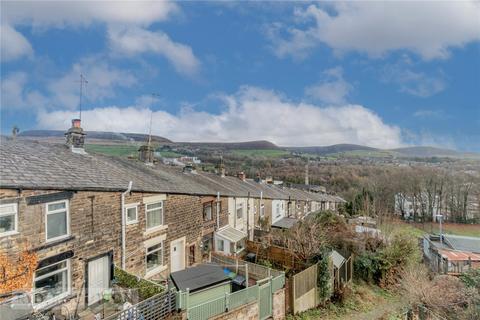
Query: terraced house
{"x": 84, "y": 213}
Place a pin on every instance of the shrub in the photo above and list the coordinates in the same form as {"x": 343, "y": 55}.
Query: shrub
{"x": 146, "y": 289}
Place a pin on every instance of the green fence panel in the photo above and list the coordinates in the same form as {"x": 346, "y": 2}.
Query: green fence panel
{"x": 278, "y": 282}
{"x": 265, "y": 302}
{"x": 206, "y": 310}
{"x": 242, "y": 297}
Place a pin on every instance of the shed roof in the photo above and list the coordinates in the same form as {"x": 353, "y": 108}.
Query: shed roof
{"x": 337, "y": 259}
{"x": 453, "y": 255}
{"x": 199, "y": 277}
{"x": 231, "y": 234}
{"x": 285, "y": 223}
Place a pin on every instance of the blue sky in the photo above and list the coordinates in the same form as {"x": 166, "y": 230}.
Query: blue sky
{"x": 380, "y": 74}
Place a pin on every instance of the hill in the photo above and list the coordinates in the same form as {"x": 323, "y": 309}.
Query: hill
{"x": 94, "y": 136}
{"x": 336, "y": 148}
{"x": 247, "y": 145}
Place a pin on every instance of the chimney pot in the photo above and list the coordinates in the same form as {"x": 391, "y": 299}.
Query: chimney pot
{"x": 241, "y": 175}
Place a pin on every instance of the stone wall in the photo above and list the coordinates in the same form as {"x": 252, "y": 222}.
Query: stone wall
{"x": 278, "y": 310}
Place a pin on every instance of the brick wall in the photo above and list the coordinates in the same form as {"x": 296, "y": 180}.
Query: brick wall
{"x": 278, "y": 308}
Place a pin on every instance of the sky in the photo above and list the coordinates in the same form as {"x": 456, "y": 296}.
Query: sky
{"x": 382, "y": 74}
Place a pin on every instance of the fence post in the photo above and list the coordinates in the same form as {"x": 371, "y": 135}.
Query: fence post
{"x": 246, "y": 275}
{"x": 227, "y": 301}
{"x": 186, "y": 302}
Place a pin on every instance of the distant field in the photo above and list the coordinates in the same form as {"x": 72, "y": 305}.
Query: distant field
{"x": 419, "y": 229}
{"x": 364, "y": 154}
{"x": 265, "y": 153}
{"x": 113, "y": 150}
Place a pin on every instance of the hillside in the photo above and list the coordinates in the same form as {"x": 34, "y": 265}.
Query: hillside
{"x": 326, "y": 150}
{"x": 247, "y": 145}
{"x": 94, "y": 136}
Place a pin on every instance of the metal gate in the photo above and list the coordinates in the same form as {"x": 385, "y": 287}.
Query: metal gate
{"x": 265, "y": 301}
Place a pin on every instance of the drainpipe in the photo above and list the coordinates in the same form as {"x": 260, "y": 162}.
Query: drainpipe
{"x": 218, "y": 208}
{"x": 124, "y": 224}
{"x": 248, "y": 216}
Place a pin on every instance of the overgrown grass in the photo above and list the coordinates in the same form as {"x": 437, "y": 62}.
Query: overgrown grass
{"x": 420, "y": 229}
{"x": 263, "y": 153}
{"x": 146, "y": 289}
{"x": 121, "y": 150}
{"x": 362, "y": 298}
{"x": 170, "y": 154}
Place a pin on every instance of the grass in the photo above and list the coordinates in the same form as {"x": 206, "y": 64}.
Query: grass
{"x": 264, "y": 153}
{"x": 113, "y": 150}
{"x": 362, "y": 299}
{"x": 420, "y": 229}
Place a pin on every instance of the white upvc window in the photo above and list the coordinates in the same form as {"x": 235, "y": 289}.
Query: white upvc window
{"x": 154, "y": 214}
{"x": 277, "y": 211}
{"x": 220, "y": 245}
{"x": 51, "y": 283}
{"x": 8, "y": 219}
{"x": 262, "y": 210}
{"x": 240, "y": 211}
{"x": 57, "y": 220}
{"x": 131, "y": 213}
{"x": 154, "y": 256}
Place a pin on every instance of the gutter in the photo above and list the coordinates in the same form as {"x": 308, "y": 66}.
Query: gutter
{"x": 124, "y": 224}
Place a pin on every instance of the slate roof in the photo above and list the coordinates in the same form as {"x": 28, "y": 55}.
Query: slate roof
{"x": 26, "y": 164}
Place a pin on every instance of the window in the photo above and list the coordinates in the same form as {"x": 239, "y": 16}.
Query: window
{"x": 262, "y": 210}
{"x": 56, "y": 221}
{"x": 131, "y": 212}
{"x": 277, "y": 211}
{"x": 240, "y": 211}
{"x": 52, "y": 282}
{"x": 154, "y": 213}
{"x": 207, "y": 211}
{"x": 8, "y": 219}
{"x": 154, "y": 256}
{"x": 220, "y": 245}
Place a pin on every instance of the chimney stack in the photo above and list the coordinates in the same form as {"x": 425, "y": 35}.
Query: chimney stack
{"x": 75, "y": 137}
{"x": 258, "y": 179}
{"x": 189, "y": 168}
{"x": 145, "y": 154}
{"x": 241, "y": 175}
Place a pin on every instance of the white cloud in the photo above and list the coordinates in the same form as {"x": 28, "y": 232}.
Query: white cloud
{"x": 413, "y": 82}
{"x": 132, "y": 41}
{"x": 60, "y": 14}
{"x": 15, "y": 93}
{"x": 333, "y": 89}
{"x": 429, "y": 28}
{"x": 126, "y": 22}
{"x": 63, "y": 92}
{"x": 250, "y": 114}
{"x": 13, "y": 44}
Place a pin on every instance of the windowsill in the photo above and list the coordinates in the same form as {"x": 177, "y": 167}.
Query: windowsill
{"x": 156, "y": 229}
{"x": 9, "y": 234}
{"x": 54, "y": 302}
{"x": 132, "y": 222}
{"x": 155, "y": 271}
{"x": 57, "y": 239}
{"x": 54, "y": 243}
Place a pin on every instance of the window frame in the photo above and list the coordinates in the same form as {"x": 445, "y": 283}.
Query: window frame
{"x": 131, "y": 206}
{"x": 60, "y": 296}
{"x": 15, "y": 216}
{"x": 67, "y": 214}
{"x": 217, "y": 245}
{"x": 146, "y": 215}
{"x": 239, "y": 206}
{"x": 205, "y": 205}
{"x": 262, "y": 210}
{"x": 161, "y": 264}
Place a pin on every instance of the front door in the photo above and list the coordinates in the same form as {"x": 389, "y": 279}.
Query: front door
{"x": 177, "y": 255}
{"x": 98, "y": 278}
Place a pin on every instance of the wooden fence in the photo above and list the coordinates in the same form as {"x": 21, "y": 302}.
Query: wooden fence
{"x": 278, "y": 255}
